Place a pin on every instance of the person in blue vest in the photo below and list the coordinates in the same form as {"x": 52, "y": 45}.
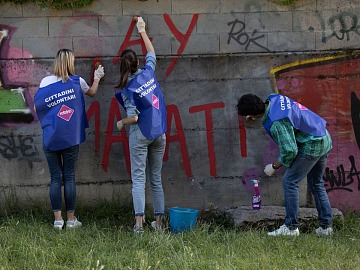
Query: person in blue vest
{"x": 140, "y": 94}
{"x": 304, "y": 144}
{"x": 59, "y": 104}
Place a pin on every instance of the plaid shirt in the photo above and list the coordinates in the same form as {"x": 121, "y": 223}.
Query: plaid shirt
{"x": 291, "y": 141}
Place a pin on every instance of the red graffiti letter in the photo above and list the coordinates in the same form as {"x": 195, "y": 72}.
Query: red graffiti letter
{"x": 242, "y": 130}
{"x": 127, "y": 43}
{"x": 110, "y": 138}
{"x": 172, "y": 110}
{"x": 209, "y": 130}
{"x": 95, "y": 109}
{"x": 183, "y": 39}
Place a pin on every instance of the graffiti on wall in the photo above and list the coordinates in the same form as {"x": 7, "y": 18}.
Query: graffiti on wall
{"x": 334, "y": 80}
{"x": 181, "y": 37}
{"x": 239, "y": 34}
{"x": 14, "y": 106}
{"x": 336, "y": 83}
{"x": 19, "y": 147}
{"x": 173, "y": 116}
{"x": 340, "y": 26}
{"x": 342, "y": 179}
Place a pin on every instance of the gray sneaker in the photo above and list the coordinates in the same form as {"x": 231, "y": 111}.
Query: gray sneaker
{"x": 72, "y": 224}
{"x": 284, "y": 230}
{"x": 58, "y": 224}
{"x": 324, "y": 232}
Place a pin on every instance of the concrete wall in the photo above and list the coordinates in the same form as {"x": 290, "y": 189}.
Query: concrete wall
{"x": 209, "y": 54}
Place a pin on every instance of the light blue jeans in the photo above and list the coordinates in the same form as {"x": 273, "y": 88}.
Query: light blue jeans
{"x": 313, "y": 168}
{"x": 143, "y": 150}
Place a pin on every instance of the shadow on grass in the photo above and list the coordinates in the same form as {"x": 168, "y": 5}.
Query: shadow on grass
{"x": 115, "y": 212}
{"x": 118, "y": 212}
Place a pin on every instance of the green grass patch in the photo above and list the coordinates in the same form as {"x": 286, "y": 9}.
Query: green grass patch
{"x": 106, "y": 241}
{"x": 12, "y": 101}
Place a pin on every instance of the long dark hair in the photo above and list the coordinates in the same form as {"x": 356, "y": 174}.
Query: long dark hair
{"x": 128, "y": 66}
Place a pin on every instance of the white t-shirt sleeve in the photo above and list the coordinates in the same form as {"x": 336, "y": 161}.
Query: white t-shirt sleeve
{"x": 84, "y": 86}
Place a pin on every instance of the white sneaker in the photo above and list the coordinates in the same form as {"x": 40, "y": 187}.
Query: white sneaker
{"x": 284, "y": 230}
{"x": 58, "y": 224}
{"x": 156, "y": 228}
{"x": 70, "y": 224}
{"x": 324, "y": 232}
{"x": 137, "y": 229}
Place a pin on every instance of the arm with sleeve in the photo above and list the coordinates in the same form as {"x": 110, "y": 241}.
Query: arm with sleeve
{"x": 84, "y": 86}
{"x": 150, "y": 59}
{"x": 283, "y": 134}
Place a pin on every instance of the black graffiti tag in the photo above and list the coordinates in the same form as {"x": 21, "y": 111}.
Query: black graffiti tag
{"x": 341, "y": 26}
{"x": 340, "y": 180}
{"x": 241, "y": 37}
{"x": 355, "y": 116}
{"x": 354, "y": 174}
{"x": 10, "y": 147}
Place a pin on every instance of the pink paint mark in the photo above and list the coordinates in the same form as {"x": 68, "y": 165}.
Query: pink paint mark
{"x": 295, "y": 82}
{"x": 281, "y": 84}
{"x": 301, "y": 107}
{"x": 209, "y": 130}
{"x": 15, "y": 76}
{"x": 182, "y": 38}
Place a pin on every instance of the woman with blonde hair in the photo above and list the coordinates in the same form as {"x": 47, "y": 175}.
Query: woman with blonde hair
{"x": 59, "y": 103}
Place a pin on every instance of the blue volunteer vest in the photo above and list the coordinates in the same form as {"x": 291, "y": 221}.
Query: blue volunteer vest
{"x": 300, "y": 117}
{"x": 145, "y": 93}
{"x": 61, "y": 111}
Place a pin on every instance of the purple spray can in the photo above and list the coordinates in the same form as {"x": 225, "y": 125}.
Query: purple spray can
{"x": 256, "y": 199}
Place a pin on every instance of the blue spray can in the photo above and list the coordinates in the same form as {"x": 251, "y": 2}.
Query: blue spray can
{"x": 256, "y": 199}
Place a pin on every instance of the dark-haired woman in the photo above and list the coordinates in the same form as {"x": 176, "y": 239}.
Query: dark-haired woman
{"x": 140, "y": 94}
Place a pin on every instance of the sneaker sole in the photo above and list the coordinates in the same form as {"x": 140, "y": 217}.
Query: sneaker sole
{"x": 72, "y": 227}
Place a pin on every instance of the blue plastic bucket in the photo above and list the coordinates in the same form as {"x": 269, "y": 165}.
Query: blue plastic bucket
{"x": 182, "y": 219}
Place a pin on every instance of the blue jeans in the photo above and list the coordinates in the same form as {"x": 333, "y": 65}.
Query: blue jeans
{"x": 143, "y": 150}
{"x": 62, "y": 167}
{"x": 313, "y": 168}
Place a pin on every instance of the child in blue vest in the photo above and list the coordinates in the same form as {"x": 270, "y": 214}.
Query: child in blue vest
{"x": 304, "y": 146}
{"x": 140, "y": 94}
{"x": 59, "y": 104}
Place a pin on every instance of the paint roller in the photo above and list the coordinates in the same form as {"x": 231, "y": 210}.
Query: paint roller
{"x": 135, "y": 18}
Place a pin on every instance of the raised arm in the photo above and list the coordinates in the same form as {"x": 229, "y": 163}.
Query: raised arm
{"x": 98, "y": 74}
{"x": 140, "y": 24}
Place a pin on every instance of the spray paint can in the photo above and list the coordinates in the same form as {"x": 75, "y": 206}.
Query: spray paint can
{"x": 256, "y": 199}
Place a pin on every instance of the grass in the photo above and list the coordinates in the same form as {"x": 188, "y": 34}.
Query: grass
{"x": 106, "y": 241}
